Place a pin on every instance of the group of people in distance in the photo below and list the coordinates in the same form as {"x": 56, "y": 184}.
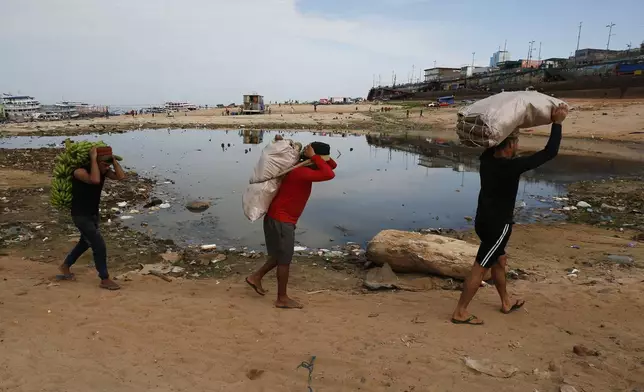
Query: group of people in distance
{"x": 500, "y": 173}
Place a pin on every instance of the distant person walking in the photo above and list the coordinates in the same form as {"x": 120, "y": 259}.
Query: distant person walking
{"x": 282, "y": 216}
{"x": 500, "y": 174}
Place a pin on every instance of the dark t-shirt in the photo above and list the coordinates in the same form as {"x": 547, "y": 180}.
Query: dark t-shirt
{"x": 500, "y": 180}
{"x": 86, "y": 197}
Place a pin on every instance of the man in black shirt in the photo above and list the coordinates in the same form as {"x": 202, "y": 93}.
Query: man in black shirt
{"x": 87, "y": 185}
{"x": 500, "y": 173}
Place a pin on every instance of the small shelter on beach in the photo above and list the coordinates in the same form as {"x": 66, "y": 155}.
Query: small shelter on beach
{"x": 253, "y": 104}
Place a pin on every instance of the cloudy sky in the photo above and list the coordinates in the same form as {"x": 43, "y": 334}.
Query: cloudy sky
{"x": 145, "y": 52}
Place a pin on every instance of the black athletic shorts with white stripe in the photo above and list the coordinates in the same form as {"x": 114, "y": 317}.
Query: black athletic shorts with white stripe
{"x": 494, "y": 238}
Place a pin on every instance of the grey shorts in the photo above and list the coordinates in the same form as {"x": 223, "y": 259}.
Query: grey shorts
{"x": 280, "y": 240}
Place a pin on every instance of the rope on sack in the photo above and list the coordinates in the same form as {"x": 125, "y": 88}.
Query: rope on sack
{"x": 470, "y": 133}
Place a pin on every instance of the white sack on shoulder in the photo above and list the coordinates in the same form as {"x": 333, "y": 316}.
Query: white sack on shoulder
{"x": 488, "y": 122}
{"x": 276, "y": 157}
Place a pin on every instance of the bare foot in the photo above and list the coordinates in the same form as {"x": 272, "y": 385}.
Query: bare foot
{"x": 287, "y": 303}
{"x": 256, "y": 284}
{"x": 109, "y": 284}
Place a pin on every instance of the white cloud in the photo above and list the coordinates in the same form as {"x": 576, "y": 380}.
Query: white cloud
{"x": 204, "y": 51}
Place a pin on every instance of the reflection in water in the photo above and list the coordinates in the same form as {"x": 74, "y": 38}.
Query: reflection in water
{"x": 252, "y": 136}
{"x": 375, "y": 187}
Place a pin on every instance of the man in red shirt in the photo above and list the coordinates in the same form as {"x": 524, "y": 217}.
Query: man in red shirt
{"x": 282, "y": 216}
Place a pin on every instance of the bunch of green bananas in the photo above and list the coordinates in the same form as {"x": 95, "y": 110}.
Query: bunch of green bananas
{"x": 74, "y": 155}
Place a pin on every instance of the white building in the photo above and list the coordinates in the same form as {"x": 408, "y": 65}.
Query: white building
{"x": 441, "y": 73}
{"x": 499, "y": 57}
{"x": 468, "y": 71}
{"x": 19, "y": 106}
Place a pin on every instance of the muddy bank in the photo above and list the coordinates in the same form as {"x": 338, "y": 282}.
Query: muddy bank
{"x": 427, "y": 142}
{"x": 612, "y": 203}
{"x": 33, "y": 229}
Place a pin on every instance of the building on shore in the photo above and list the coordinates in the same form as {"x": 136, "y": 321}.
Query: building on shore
{"x": 499, "y": 56}
{"x": 469, "y": 71}
{"x": 253, "y": 104}
{"x": 441, "y": 73}
{"x": 17, "y": 107}
{"x": 2, "y": 115}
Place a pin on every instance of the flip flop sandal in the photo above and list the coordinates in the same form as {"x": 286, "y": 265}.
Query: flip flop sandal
{"x": 514, "y": 307}
{"x": 467, "y": 321}
{"x": 254, "y": 287}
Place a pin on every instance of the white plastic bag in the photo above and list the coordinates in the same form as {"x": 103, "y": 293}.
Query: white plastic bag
{"x": 488, "y": 122}
{"x": 276, "y": 157}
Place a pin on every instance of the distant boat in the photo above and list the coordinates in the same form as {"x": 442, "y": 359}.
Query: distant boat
{"x": 179, "y": 106}
{"x": 20, "y": 106}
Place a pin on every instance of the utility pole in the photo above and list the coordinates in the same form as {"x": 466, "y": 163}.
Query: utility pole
{"x": 610, "y": 33}
{"x": 629, "y": 46}
{"x": 373, "y": 84}
{"x": 530, "y": 49}
{"x": 578, "y": 38}
{"x": 473, "y": 54}
{"x": 413, "y": 71}
{"x": 434, "y": 63}
{"x": 539, "y": 58}
{"x": 379, "y": 84}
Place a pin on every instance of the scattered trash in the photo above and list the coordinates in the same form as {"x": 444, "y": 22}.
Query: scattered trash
{"x": 171, "y": 257}
{"x": 218, "y": 258}
{"x": 583, "y": 204}
{"x": 619, "y": 259}
{"x": 133, "y": 212}
{"x": 609, "y": 207}
{"x": 208, "y": 247}
{"x": 160, "y": 275}
{"x": 177, "y": 270}
{"x": 126, "y": 217}
{"x": 300, "y": 248}
{"x": 164, "y": 205}
{"x": 567, "y": 388}
{"x": 491, "y": 368}
{"x": 381, "y": 278}
{"x": 122, "y": 204}
{"x": 570, "y": 208}
{"x": 575, "y": 246}
{"x": 316, "y": 292}
{"x": 153, "y": 203}
{"x": 308, "y": 366}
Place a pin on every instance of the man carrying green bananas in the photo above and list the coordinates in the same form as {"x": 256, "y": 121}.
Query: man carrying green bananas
{"x": 87, "y": 184}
